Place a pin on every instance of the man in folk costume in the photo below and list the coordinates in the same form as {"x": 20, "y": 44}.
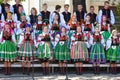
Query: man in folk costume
{"x": 61, "y": 51}
{"x": 66, "y": 14}
{"x": 97, "y": 53}
{"x": 8, "y": 50}
{"x": 16, "y": 6}
{"x": 27, "y": 52}
{"x": 44, "y": 49}
{"x": 57, "y": 11}
{"x": 45, "y": 13}
{"x": 79, "y": 49}
{"x": 80, "y": 14}
{"x": 93, "y": 15}
{"x": 5, "y": 3}
{"x": 17, "y": 16}
{"x": 113, "y": 51}
{"x": 108, "y": 13}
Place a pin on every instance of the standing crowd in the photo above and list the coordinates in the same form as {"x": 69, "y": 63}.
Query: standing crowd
{"x": 61, "y": 37}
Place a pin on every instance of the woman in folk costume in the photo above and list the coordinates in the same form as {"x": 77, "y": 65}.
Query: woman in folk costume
{"x": 79, "y": 51}
{"x": 32, "y": 18}
{"x": 97, "y": 53}
{"x": 26, "y": 53}
{"x": 72, "y": 26}
{"x": 55, "y": 27}
{"x": 88, "y": 27}
{"x": 44, "y": 52}
{"x": 61, "y": 51}
{"x": 113, "y": 50}
{"x": 10, "y": 20}
{"x": 8, "y": 51}
{"x": 38, "y": 26}
{"x": 21, "y": 26}
{"x": 105, "y": 28}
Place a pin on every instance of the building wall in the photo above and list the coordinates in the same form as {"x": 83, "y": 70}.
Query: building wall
{"x": 28, "y": 4}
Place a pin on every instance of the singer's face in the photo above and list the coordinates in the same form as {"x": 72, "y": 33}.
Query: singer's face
{"x": 27, "y": 29}
{"x": 45, "y": 29}
{"x": 78, "y": 29}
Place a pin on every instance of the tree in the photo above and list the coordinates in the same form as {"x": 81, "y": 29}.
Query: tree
{"x": 8, "y": 0}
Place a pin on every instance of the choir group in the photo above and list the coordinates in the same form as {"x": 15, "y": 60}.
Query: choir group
{"x": 60, "y": 37}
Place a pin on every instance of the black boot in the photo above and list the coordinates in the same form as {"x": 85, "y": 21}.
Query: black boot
{"x": 23, "y": 70}
{"x": 95, "y": 69}
{"x": 9, "y": 70}
{"x": 98, "y": 70}
{"x": 28, "y": 71}
{"x": 114, "y": 72}
{"x": 6, "y": 70}
{"x": 77, "y": 71}
{"x": 47, "y": 70}
{"x": 43, "y": 70}
{"x": 63, "y": 70}
{"x": 80, "y": 72}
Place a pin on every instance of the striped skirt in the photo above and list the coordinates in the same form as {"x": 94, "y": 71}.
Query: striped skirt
{"x": 79, "y": 52}
{"x": 61, "y": 51}
{"x": 27, "y": 52}
{"x": 97, "y": 53}
{"x": 8, "y": 51}
{"x": 44, "y": 51}
{"x": 113, "y": 54}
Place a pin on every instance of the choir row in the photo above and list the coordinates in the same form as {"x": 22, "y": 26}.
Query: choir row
{"x": 61, "y": 37}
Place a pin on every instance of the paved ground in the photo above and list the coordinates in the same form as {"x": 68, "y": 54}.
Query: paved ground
{"x": 59, "y": 77}
{"x": 88, "y": 75}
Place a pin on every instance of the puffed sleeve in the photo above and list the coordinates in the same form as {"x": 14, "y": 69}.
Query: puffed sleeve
{"x": 2, "y": 18}
{"x": 21, "y": 39}
{"x": 112, "y": 17}
{"x": 28, "y": 19}
{"x": 38, "y": 40}
{"x": 62, "y": 20}
{"x": 99, "y": 16}
{"x": 1, "y": 34}
{"x": 0, "y": 9}
{"x": 56, "y": 39}
{"x": 92, "y": 28}
{"x": 11, "y": 9}
{"x": 108, "y": 43}
{"x": 13, "y": 38}
{"x": 103, "y": 41}
{"x": 109, "y": 28}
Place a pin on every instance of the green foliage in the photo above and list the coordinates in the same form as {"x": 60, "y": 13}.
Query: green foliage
{"x": 9, "y": 0}
{"x": 118, "y": 9}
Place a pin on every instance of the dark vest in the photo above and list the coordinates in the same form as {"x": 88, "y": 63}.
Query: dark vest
{"x": 106, "y": 12}
{"x": 3, "y": 7}
{"x": 16, "y": 8}
{"x": 92, "y": 17}
{"x": 66, "y": 16}
{"x": 80, "y": 15}
{"x": 45, "y": 15}
{"x": 18, "y": 16}
{"x": 33, "y": 19}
